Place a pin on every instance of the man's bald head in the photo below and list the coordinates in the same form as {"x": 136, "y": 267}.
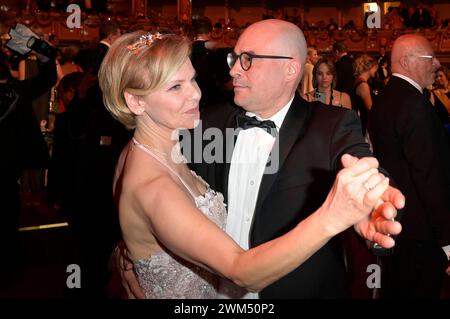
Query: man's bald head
{"x": 412, "y": 56}
{"x": 275, "y": 70}
{"x": 286, "y": 36}
{"x": 405, "y": 45}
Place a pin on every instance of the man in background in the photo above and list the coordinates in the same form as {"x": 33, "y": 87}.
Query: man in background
{"x": 410, "y": 142}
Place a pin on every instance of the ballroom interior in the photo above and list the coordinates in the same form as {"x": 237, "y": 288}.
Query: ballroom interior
{"x": 47, "y": 247}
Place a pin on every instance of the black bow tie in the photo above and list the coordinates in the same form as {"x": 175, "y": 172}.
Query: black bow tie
{"x": 247, "y": 122}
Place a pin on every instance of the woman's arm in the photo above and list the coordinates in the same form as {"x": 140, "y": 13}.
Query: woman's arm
{"x": 21, "y": 70}
{"x": 363, "y": 91}
{"x": 308, "y": 96}
{"x": 179, "y": 226}
{"x": 346, "y": 101}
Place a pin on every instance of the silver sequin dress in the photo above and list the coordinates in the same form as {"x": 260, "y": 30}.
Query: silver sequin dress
{"x": 164, "y": 275}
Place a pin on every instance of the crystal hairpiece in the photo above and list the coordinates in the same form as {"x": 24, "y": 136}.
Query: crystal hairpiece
{"x": 144, "y": 40}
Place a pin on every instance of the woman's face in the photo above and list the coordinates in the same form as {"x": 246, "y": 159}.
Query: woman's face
{"x": 324, "y": 76}
{"x": 314, "y": 57}
{"x": 373, "y": 70}
{"x": 441, "y": 79}
{"x": 176, "y": 104}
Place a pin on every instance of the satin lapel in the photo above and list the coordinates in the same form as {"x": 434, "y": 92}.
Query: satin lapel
{"x": 229, "y": 141}
{"x": 292, "y": 129}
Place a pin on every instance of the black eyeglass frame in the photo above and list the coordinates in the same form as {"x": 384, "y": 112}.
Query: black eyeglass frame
{"x": 233, "y": 57}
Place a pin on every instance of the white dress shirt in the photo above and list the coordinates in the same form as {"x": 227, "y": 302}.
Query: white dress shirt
{"x": 248, "y": 162}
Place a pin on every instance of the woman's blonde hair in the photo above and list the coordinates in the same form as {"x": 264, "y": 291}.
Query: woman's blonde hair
{"x": 139, "y": 63}
{"x": 363, "y": 63}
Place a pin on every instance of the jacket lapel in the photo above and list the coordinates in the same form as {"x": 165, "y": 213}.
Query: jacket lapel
{"x": 292, "y": 129}
{"x": 223, "y": 172}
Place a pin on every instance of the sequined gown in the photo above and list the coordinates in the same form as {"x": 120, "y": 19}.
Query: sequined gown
{"x": 165, "y": 275}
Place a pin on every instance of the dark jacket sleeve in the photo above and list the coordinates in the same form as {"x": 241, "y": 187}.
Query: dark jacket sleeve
{"x": 427, "y": 151}
{"x": 347, "y": 138}
{"x": 43, "y": 82}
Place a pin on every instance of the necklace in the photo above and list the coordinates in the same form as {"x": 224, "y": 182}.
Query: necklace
{"x": 176, "y": 156}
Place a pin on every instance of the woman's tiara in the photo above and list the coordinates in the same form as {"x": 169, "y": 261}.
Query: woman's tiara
{"x": 144, "y": 40}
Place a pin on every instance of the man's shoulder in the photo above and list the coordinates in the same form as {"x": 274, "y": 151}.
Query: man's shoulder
{"x": 326, "y": 111}
{"x": 320, "y": 115}
{"x": 218, "y": 115}
{"x": 345, "y": 59}
{"x": 400, "y": 91}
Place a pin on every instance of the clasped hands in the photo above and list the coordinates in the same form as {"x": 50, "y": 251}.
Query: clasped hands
{"x": 362, "y": 197}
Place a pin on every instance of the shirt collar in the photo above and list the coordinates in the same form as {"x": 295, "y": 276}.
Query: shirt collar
{"x": 278, "y": 117}
{"x": 409, "y": 80}
{"x": 105, "y": 43}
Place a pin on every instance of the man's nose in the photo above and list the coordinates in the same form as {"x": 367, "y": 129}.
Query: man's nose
{"x": 236, "y": 69}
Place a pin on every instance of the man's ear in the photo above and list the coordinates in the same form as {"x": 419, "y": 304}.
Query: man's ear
{"x": 404, "y": 63}
{"x": 293, "y": 70}
{"x": 134, "y": 103}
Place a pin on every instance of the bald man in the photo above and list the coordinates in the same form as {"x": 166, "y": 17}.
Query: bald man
{"x": 268, "y": 197}
{"x": 266, "y": 66}
{"x": 411, "y": 144}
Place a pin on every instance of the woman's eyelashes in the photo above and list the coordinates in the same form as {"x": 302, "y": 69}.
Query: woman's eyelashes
{"x": 175, "y": 87}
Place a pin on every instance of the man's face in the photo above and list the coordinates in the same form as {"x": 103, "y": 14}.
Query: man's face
{"x": 67, "y": 95}
{"x": 260, "y": 88}
{"x": 425, "y": 65}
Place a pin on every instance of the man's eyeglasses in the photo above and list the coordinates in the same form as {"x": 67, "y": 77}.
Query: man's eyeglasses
{"x": 431, "y": 57}
{"x": 245, "y": 59}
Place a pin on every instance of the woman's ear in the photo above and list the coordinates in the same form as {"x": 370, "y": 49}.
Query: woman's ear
{"x": 134, "y": 103}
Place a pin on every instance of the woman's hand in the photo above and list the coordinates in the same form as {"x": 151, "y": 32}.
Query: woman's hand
{"x": 123, "y": 268}
{"x": 354, "y": 195}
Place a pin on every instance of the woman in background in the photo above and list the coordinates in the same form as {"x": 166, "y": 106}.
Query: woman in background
{"x": 324, "y": 82}
{"x": 365, "y": 69}
{"x": 440, "y": 95}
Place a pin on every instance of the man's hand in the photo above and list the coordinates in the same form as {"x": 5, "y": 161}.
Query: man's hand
{"x": 124, "y": 267}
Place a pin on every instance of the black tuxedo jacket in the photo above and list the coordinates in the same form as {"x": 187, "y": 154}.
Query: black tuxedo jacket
{"x": 312, "y": 138}
{"x": 345, "y": 77}
{"x": 410, "y": 142}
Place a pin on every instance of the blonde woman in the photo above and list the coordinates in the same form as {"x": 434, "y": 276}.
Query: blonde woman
{"x": 324, "y": 82}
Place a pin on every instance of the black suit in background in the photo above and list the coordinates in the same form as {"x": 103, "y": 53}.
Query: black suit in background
{"x": 97, "y": 140}
{"x": 409, "y": 141}
{"x": 345, "y": 76}
{"x": 23, "y": 147}
{"x": 312, "y": 139}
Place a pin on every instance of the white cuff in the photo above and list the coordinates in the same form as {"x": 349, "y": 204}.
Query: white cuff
{"x": 447, "y": 251}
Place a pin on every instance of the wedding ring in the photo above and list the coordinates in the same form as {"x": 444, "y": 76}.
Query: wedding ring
{"x": 366, "y": 186}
